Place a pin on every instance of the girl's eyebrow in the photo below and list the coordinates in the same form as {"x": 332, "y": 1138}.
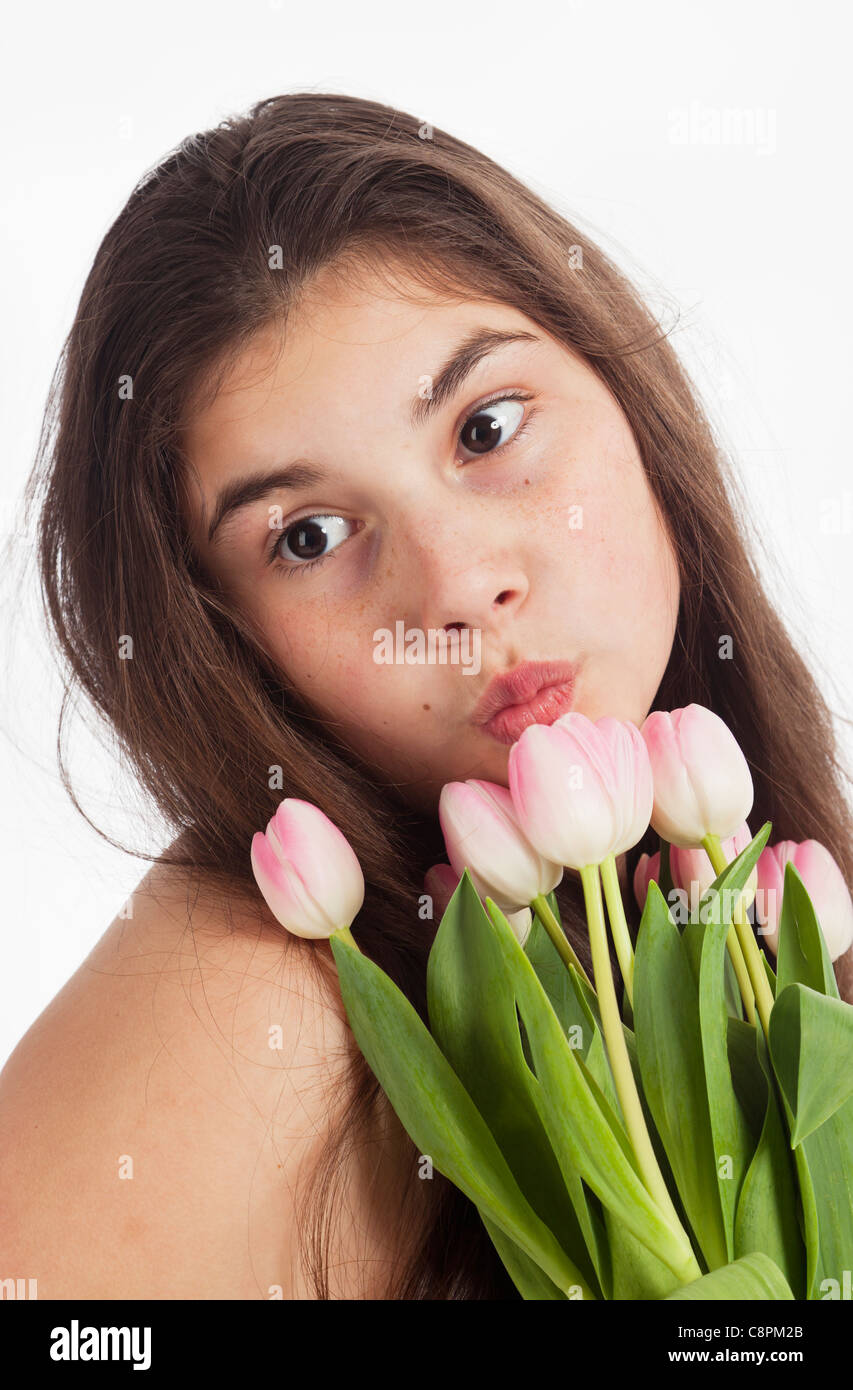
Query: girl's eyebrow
{"x": 241, "y": 492}
{"x": 461, "y": 363}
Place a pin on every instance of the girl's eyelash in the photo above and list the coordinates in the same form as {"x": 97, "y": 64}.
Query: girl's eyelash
{"x": 289, "y": 569}
{"x": 493, "y": 400}
{"x": 282, "y": 567}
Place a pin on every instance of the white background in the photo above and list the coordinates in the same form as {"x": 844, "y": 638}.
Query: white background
{"x": 744, "y": 244}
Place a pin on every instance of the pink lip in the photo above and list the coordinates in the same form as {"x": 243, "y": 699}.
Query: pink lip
{"x": 534, "y": 693}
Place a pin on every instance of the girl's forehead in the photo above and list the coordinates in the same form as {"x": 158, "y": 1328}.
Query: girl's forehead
{"x": 367, "y": 340}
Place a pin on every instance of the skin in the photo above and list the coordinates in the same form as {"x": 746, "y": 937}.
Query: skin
{"x": 434, "y": 531}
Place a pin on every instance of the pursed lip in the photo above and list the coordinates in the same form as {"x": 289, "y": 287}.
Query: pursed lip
{"x": 518, "y": 686}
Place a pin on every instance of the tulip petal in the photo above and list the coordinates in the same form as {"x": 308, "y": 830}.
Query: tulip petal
{"x": 285, "y": 894}
{"x": 702, "y": 782}
{"x": 558, "y": 793}
{"x": 483, "y": 835}
{"x": 325, "y": 861}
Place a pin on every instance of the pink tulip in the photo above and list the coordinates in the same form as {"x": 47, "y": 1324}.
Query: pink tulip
{"x": 441, "y": 882}
{"x": 691, "y": 870}
{"x": 824, "y": 884}
{"x": 521, "y": 922}
{"x": 648, "y": 868}
{"x": 701, "y": 778}
{"x": 482, "y": 834}
{"x": 307, "y": 871}
{"x": 581, "y": 790}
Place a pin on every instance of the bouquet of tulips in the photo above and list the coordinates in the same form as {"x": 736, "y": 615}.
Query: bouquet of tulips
{"x": 693, "y": 1140}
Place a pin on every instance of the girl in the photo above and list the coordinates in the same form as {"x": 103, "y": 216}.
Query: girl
{"x": 332, "y": 371}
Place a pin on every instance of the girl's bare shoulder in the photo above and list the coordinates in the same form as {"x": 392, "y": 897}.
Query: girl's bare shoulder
{"x": 160, "y": 1116}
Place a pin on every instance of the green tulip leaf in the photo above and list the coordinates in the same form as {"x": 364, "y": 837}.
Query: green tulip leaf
{"x": 435, "y": 1109}
{"x": 732, "y": 878}
{"x": 571, "y": 999}
{"x": 808, "y": 1022}
{"x": 732, "y": 1141}
{"x": 586, "y": 1134}
{"x": 531, "y": 1281}
{"x": 748, "y": 1079}
{"x": 473, "y": 1018}
{"x": 543, "y": 956}
{"x": 802, "y": 957}
{"x": 669, "y": 1051}
{"x": 637, "y": 1273}
{"x": 753, "y": 1276}
{"x": 576, "y": 1006}
{"x": 811, "y": 1045}
{"x": 693, "y": 934}
{"x": 824, "y": 1162}
{"x": 766, "y": 1218}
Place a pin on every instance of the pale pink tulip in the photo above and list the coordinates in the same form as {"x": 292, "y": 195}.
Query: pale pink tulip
{"x": 582, "y": 790}
{"x": 441, "y": 882}
{"x": 824, "y": 884}
{"x": 702, "y": 782}
{"x": 521, "y": 922}
{"x": 691, "y": 870}
{"x": 307, "y": 871}
{"x": 648, "y": 868}
{"x": 482, "y": 835}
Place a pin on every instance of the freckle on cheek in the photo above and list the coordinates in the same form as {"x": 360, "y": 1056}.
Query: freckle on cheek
{"x": 427, "y": 707}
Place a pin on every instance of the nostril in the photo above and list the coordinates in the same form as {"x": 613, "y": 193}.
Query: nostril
{"x": 502, "y": 596}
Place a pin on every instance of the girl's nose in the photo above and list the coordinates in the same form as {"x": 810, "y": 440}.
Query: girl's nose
{"x": 474, "y": 589}
{"x": 457, "y": 563}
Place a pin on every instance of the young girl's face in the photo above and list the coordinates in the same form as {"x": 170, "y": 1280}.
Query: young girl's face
{"x": 433, "y": 504}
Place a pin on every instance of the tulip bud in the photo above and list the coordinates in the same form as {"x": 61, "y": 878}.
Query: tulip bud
{"x": 702, "y": 782}
{"x": 581, "y": 790}
{"x": 521, "y": 922}
{"x": 648, "y": 868}
{"x": 441, "y": 882}
{"x": 692, "y": 870}
{"x": 307, "y": 871}
{"x": 482, "y": 834}
{"x": 824, "y": 884}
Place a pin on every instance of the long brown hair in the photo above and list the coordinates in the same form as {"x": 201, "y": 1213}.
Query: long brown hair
{"x": 181, "y": 281}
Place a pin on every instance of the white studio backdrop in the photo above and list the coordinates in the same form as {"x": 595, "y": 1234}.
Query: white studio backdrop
{"x": 706, "y": 146}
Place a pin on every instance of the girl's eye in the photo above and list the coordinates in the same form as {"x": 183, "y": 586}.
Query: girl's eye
{"x": 494, "y": 424}
{"x": 302, "y": 544}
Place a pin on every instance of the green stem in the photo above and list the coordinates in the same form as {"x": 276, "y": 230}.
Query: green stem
{"x": 618, "y": 924}
{"x": 749, "y": 946}
{"x": 347, "y": 936}
{"x": 620, "y": 1062}
{"x": 542, "y": 908}
{"x": 737, "y": 959}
